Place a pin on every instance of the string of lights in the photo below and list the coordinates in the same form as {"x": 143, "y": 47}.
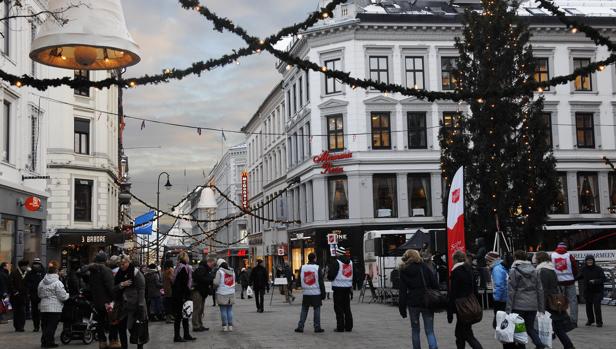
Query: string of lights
{"x": 609, "y": 163}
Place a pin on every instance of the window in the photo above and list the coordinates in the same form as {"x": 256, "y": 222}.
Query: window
{"x": 289, "y": 103}
{"x": 379, "y": 70}
{"x": 561, "y": 205}
{"x": 612, "y": 189}
{"x": 542, "y": 71}
{"x": 83, "y": 75}
{"x": 582, "y": 82}
{"x": 451, "y": 124}
{"x": 381, "y": 131}
{"x": 344, "y": 10}
{"x": 83, "y": 200}
{"x": 448, "y": 79}
{"x": 82, "y": 136}
{"x": 332, "y": 85}
{"x": 417, "y": 130}
{"x": 6, "y": 29}
{"x": 338, "y": 189}
{"x": 300, "y": 85}
{"x": 547, "y": 121}
{"x": 588, "y": 192}
{"x": 414, "y": 72}
{"x": 335, "y": 133}
{"x": 384, "y": 194}
{"x": 5, "y": 133}
{"x": 585, "y": 130}
{"x": 536, "y": 11}
{"x": 420, "y": 203}
{"x": 307, "y": 87}
{"x": 294, "y": 99}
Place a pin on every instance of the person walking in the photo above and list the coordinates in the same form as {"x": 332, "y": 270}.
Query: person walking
{"x": 259, "y": 282}
{"x": 101, "y": 285}
{"x": 311, "y": 279}
{"x": 286, "y": 272}
{"x": 224, "y": 282}
{"x": 51, "y": 295}
{"x": 549, "y": 283}
{"x": 525, "y": 295}
{"x": 19, "y": 294}
{"x": 462, "y": 285}
{"x": 168, "y": 290}
{"x": 499, "y": 272}
{"x": 415, "y": 278}
{"x": 244, "y": 280}
{"x": 34, "y": 276}
{"x": 114, "y": 338}
{"x": 594, "y": 280}
{"x": 4, "y": 287}
{"x": 130, "y": 295}
{"x": 181, "y": 289}
{"x": 202, "y": 282}
{"x": 153, "y": 284}
{"x": 341, "y": 275}
{"x": 567, "y": 270}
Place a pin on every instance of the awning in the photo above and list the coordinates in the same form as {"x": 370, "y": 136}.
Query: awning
{"x": 579, "y": 227}
{"x": 88, "y": 237}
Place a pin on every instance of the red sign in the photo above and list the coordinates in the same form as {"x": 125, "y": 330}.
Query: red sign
{"x": 347, "y": 270}
{"x": 245, "y": 190}
{"x": 242, "y": 253}
{"x": 326, "y": 160}
{"x": 309, "y": 278}
{"x": 32, "y": 204}
{"x": 229, "y": 280}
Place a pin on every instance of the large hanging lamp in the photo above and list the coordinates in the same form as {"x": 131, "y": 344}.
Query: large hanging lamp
{"x": 93, "y": 37}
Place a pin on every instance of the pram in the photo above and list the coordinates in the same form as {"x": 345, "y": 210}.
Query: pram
{"x": 78, "y": 317}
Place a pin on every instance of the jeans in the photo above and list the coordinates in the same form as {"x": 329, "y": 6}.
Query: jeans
{"x": 570, "y": 292}
{"x": 304, "y": 314}
{"x": 259, "y": 294}
{"x": 563, "y": 337}
{"x": 342, "y": 308}
{"x": 226, "y": 314}
{"x": 464, "y": 334}
{"x": 50, "y": 323}
{"x": 198, "y": 307}
{"x": 428, "y": 320}
{"x": 529, "y": 321}
{"x": 593, "y": 307}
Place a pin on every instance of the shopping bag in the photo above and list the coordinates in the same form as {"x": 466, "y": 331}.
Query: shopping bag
{"x": 519, "y": 335}
{"x": 187, "y": 309}
{"x": 249, "y": 292}
{"x": 140, "y": 333}
{"x": 543, "y": 325}
{"x": 505, "y": 327}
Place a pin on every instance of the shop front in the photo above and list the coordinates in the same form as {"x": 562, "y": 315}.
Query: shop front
{"x": 237, "y": 258}
{"x": 255, "y": 245}
{"x": 83, "y": 245}
{"x": 301, "y": 244}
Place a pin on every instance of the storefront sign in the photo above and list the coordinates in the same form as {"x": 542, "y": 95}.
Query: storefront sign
{"x": 339, "y": 235}
{"x": 32, "y": 204}
{"x": 326, "y": 161}
{"x": 245, "y": 190}
{"x": 600, "y": 255}
{"x": 93, "y": 239}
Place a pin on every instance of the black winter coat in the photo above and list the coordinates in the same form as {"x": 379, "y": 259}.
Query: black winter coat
{"x": 412, "y": 287}
{"x": 462, "y": 285}
{"x": 203, "y": 279}
{"x": 32, "y": 280}
{"x": 181, "y": 292}
{"x": 593, "y": 278}
{"x": 17, "y": 287}
{"x": 258, "y": 277}
{"x": 4, "y": 282}
{"x": 100, "y": 284}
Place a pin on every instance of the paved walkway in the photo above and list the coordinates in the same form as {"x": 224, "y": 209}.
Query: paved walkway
{"x": 376, "y": 326}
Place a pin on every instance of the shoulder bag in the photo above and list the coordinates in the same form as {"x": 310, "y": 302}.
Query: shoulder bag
{"x": 433, "y": 299}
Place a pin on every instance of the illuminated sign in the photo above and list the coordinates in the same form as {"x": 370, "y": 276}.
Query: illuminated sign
{"x": 245, "y": 190}
{"x": 326, "y": 161}
{"x": 32, "y": 204}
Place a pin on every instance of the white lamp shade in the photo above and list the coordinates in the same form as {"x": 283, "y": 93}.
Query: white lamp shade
{"x": 207, "y": 199}
{"x": 94, "y": 37}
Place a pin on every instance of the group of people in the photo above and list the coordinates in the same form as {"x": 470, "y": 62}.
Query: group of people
{"x": 523, "y": 284}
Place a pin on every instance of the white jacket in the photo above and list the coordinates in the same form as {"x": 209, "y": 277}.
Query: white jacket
{"x": 52, "y": 294}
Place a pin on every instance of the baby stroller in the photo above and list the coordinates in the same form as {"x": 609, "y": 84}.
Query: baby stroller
{"x": 78, "y": 317}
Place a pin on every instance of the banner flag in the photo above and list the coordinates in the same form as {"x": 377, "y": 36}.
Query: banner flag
{"x": 455, "y": 216}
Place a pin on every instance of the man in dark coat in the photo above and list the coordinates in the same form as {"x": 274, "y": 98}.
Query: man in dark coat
{"x": 259, "y": 282}
{"x": 311, "y": 279}
{"x": 153, "y": 284}
{"x": 32, "y": 280}
{"x": 100, "y": 284}
{"x": 594, "y": 279}
{"x": 341, "y": 275}
{"x": 19, "y": 294}
{"x": 202, "y": 282}
{"x": 286, "y": 271}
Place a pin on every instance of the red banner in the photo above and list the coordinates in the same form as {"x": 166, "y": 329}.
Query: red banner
{"x": 455, "y": 216}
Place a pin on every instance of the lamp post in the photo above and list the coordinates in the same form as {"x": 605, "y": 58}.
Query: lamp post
{"x": 167, "y": 186}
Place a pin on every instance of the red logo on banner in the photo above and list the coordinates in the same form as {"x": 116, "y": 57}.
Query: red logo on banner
{"x": 229, "y": 280}
{"x": 455, "y": 196}
{"x": 347, "y": 270}
{"x": 309, "y": 278}
{"x": 32, "y": 204}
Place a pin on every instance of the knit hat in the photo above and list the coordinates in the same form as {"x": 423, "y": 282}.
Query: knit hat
{"x": 220, "y": 262}
{"x": 101, "y": 257}
{"x": 341, "y": 251}
{"x": 492, "y": 256}
{"x": 561, "y": 248}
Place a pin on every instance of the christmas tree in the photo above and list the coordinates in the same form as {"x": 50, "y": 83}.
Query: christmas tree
{"x": 510, "y": 174}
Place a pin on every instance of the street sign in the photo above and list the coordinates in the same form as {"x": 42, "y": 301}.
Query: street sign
{"x": 332, "y": 239}
{"x": 32, "y": 204}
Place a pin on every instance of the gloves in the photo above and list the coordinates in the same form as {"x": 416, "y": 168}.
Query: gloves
{"x": 449, "y": 317}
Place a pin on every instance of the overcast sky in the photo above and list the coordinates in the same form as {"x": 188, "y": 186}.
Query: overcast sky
{"x": 225, "y": 98}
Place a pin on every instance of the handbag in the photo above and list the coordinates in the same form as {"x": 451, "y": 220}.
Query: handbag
{"x": 187, "y": 309}
{"x": 468, "y": 309}
{"x": 140, "y": 333}
{"x": 433, "y": 299}
{"x": 558, "y": 302}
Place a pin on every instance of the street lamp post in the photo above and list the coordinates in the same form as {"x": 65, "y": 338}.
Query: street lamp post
{"x": 167, "y": 186}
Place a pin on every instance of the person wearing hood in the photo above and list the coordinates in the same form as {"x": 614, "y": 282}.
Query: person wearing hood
{"x": 499, "y": 270}
{"x": 525, "y": 294}
{"x": 259, "y": 282}
{"x": 153, "y": 284}
{"x": 311, "y": 279}
{"x": 100, "y": 283}
{"x": 19, "y": 294}
{"x": 130, "y": 297}
{"x": 594, "y": 280}
{"x": 202, "y": 281}
{"x": 244, "y": 279}
{"x": 415, "y": 278}
{"x": 225, "y": 293}
{"x": 549, "y": 282}
{"x": 566, "y": 268}
{"x": 32, "y": 280}
{"x": 52, "y": 295}
{"x": 181, "y": 289}
{"x": 168, "y": 290}
{"x": 341, "y": 275}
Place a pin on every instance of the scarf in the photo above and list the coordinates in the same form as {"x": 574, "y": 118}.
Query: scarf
{"x": 545, "y": 265}
{"x": 459, "y": 264}
{"x": 178, "y": 269}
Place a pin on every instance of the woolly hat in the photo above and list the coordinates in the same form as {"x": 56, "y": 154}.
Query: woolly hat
{"x": 492, "y": 256}
{"x": 561, "y": 245}
{"x": 341, "y": 251}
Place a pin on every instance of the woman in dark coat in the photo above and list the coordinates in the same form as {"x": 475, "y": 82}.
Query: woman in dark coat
{"x": 462, "y": 285}
{"x": 244, "y": 280}
{"x": 594, "y": 281}
{"x": 130, "y": 296}
{"x": 181, "y": 290}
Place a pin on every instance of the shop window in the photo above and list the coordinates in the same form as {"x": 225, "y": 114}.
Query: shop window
{"x": 384, "y": 195}
{"x": 417, "y": 130}
{"x": 32, "y": 242}
{"x": 7, "y": 239}
{"x": 420, "y": 203}
{"x": 561, "y": 205}
{"x": 588, "y": 192}
{"x": 335, "y": 133}
{"x": 338, "y": 189}
{"x": 381, "y": 131}
{"x": 83, "y": 200}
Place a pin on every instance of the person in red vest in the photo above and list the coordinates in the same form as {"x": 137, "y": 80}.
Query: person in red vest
{"x": 567, "y": 271}
{"x": 341, "y": 275}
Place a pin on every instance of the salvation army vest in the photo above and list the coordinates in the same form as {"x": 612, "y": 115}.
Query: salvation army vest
{"x": 345, "y": 275}
{"x": 563, "y": 267}
{"x": 227, "y": 283}
{"x": 309, "y": 276}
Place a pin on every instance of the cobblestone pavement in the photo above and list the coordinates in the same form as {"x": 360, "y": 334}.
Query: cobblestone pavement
{"x": 376, "y": 326}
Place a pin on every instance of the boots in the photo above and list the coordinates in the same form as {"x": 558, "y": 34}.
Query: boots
{"x": 115, "y": 344}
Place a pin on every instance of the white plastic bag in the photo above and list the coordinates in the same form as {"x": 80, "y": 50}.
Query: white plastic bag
{"x": 505, "y": 327}
{"x": 187, "y": 309}
{"x": 544, "y": 328}
{"x": 249, "y": 292}
{"x": 520, "y": 335}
